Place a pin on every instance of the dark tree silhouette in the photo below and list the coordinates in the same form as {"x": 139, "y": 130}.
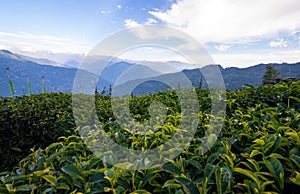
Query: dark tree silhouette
{"x": 270, "y": 73}
{"x": 270, "y": 76}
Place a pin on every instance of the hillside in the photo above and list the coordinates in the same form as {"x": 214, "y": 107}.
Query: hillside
{"x": 234, "y": 78}
{"x": 19, "y": 68}
{"x": 56, "y": 78}
{"x": 59, "y": 78}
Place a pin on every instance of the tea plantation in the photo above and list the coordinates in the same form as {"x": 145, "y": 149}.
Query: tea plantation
{"x": 257, "y": 151}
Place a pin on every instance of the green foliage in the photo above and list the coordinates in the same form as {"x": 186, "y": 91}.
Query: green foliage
{"x": 258, "y": 150}
{"x": 43, "y": 84}
{"x": 32, "y": 122}
{"x": 29, "y": 86}
{"x": 271, "y": 73}
{"x": 10, "y": 83}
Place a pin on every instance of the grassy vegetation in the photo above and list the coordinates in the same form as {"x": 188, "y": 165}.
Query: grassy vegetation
{"x": 258, "y": 150}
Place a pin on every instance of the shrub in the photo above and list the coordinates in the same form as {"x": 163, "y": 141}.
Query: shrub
{"x": 35, "y": 121}
{"x": 256, "y": 152}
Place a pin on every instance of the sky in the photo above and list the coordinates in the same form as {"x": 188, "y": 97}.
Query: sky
{"x": 236, "y": 33}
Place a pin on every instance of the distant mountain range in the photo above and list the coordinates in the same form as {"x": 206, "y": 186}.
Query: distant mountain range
{"x": 56, "y": 78}
{"x": 60, "y": 77}
{"x": 66, "y": 59}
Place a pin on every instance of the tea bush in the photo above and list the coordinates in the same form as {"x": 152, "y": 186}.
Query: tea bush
{"x": 32, "y": 121}
{"x": 258, "y": 150}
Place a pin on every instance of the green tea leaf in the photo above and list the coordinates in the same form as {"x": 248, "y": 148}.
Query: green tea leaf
{"x": 254, "y": 153}
{"x": 295, "y": 159}
{"x": 97, "y": 177}
{"x": 218, "y": 175}
{"x": 24, "y": 188}
{"x": 259, "y": 142}
{"x": 140, "y": 191}
{"x": 50, "y": 179}
{"x": 249, "y": 174}
{"x": 188, "y": 186}
{"x": 171, "y": 169}
{"x": 293, "y": 134}
{"x": 296, "y": 178}
{"x": 211, "y": 140}
{"x": 63, "y": 186}
{"x": 209, "y": 170}
{"x": 212, "y": 158}
{"x": 275, "y": 145}
{"x": 72, "y": 171}
{"x": 171, "y": 184}
{"x": 276, "y": 169}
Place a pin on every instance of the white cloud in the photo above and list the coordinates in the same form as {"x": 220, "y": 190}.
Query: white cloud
{"x": 28, "y": 49}
{"x": 119, "y": 7}
{"x": 279, "y": 43}
{"x": 4, "y": 47}
{"x": 232, "y": 20}
{"x": 129, "y": 23}
{"x": 223, "y": 47}
{"x": 150, "y": 21}
{"x": 45, "y": 38}
{"x": 32, "y": 42}
{"x": 250, "y": 59}
{"x": 105, "y": 12}
{"x": 7, "y": 34}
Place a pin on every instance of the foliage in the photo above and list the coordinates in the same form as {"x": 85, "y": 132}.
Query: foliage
{"x": 270, "y": 73}
{"x": 28, "y": 85}
{"x": 258, "y": 150}
{"x": 11, "y": 85}
{"x": 35, "y": 121}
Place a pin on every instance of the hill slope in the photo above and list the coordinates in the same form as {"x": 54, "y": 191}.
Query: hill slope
{"x": 62, "y": 78}
{"x": 234, "y": 78}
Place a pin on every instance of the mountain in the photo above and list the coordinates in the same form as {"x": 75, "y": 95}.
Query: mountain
{"x": 19, "y": 69}
{"x": 61, "y": 78}
{"x": 122, "y": 72}
{"x": 143, "y": 78}
{"x": 165, "y": 67}
{"x": 234, "y": 78}
{"x": 41, "y": 61}
{"x": 180, "y": 65}
{"x": 72, "y": 63}
{"x": 67, "y": 59}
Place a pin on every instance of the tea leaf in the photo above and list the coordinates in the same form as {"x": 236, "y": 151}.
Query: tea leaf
{"x": 276, "y": 169}
{"x": 171, "y": 184}
{"x": 188, "y": 186}
{"x": 72, "y": 171}
{"x": 296, "y": 178}
{"x": 249, "y": 174}
{"x": 171, "y": 169}
{"x": 51, "y": 179}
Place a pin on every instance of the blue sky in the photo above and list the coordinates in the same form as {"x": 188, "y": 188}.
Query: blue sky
{"x": 235, "y": 32}
{"x": 85, "y": 22}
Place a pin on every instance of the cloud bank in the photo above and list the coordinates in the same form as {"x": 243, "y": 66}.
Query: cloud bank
{"x": 232, "y": 20}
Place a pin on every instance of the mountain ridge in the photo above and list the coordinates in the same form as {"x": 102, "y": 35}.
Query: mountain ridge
{"x": 234, "y": 77}
{"x": 61, "y": 79}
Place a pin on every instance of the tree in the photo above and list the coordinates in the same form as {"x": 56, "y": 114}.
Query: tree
{"x": 270, "y": 76}
{"x": 271, "y": 73}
